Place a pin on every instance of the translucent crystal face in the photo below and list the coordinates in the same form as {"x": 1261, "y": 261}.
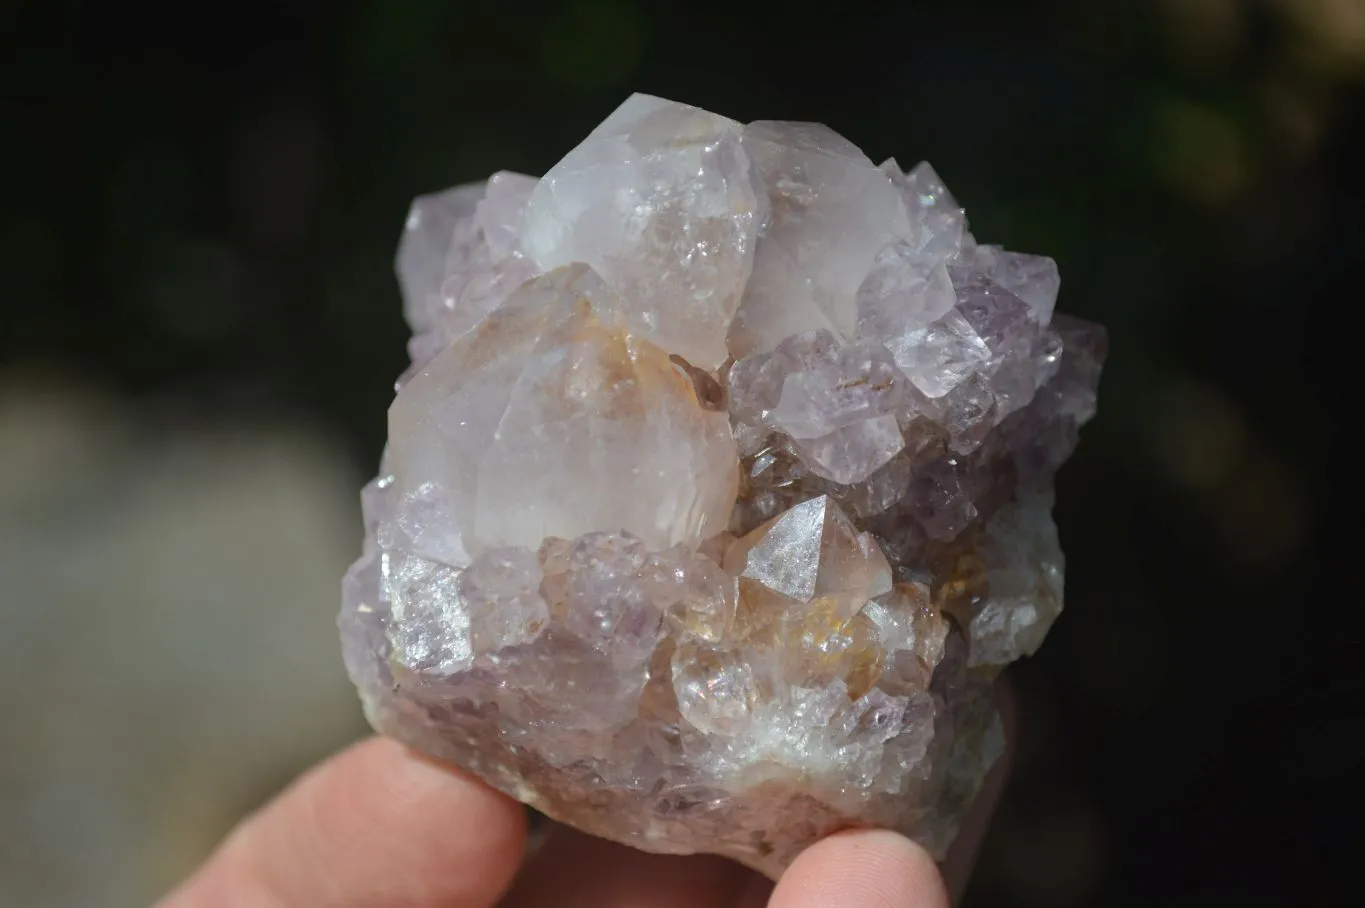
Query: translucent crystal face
{"x": 660, "y": 200}
{"x": 719, "y": 488}
{"x": 549, "y": 418}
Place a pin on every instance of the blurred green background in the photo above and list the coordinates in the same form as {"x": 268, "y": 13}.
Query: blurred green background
{"x": 199, "y": 329}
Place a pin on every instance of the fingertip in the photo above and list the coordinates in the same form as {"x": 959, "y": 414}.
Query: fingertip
{"x": 862, "y": 869}
{"x": 375, "y": 824}
{"x": 460, "y": 840}
{"x": 577, "y": 870}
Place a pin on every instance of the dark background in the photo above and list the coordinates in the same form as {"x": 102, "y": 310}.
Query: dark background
{"x": 201, "y": 203}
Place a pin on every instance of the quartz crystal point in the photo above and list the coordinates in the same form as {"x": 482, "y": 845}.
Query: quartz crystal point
{"x": 660, "y": 200}
{"x": 831, "y": 211}
{"x": 719, "y": 489}
{"x": 551, "y": 419}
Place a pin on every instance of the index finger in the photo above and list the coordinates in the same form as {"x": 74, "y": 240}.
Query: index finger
{"x": 374, "y": 825}
{"x": 869, "y": 868}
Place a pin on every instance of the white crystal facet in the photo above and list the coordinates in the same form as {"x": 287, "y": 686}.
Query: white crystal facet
{"x": 938, "y": 223}
{"x": 659, "y": 200}
{"x": 832, "y": 211}
{"x": 432, "y": 243}
{"x": 501, "y": 593}
{"x": 814, "y": 551}
{"x": 550, "y": 420}
{"x": 501, "y": 210}
{"x": 1033, "y": 278}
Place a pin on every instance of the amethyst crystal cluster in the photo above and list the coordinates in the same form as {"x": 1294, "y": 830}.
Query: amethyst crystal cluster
{"x": 719, "y": 489}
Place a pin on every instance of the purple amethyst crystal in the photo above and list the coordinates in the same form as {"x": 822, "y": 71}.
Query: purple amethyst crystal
{"x": 719, "y": 489}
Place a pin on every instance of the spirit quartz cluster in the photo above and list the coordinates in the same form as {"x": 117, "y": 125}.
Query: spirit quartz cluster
{"x": 719, "y": 489}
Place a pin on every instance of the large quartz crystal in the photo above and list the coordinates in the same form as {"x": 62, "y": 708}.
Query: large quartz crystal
{"x": 719, "y": 489}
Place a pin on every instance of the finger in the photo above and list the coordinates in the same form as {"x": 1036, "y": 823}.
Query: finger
{"x": 374, "y": 825}
{"x": 574, "y": 870}
{"x": 862, "y": 869}
{"x": 962, "y": 855}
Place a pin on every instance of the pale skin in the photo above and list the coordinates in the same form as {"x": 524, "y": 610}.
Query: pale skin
{"x": 379, "y": 826}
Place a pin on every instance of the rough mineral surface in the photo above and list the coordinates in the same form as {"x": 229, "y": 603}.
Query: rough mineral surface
{"x": 719, "y": 489}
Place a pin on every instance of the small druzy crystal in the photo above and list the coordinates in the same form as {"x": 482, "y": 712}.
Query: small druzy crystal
{"x": 719, "y": 489}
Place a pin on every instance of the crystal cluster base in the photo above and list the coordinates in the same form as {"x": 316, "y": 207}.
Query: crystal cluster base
{"x": 719, "y": 489}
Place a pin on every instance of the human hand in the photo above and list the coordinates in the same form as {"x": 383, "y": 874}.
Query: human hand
{"x": 379, "y": 826}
